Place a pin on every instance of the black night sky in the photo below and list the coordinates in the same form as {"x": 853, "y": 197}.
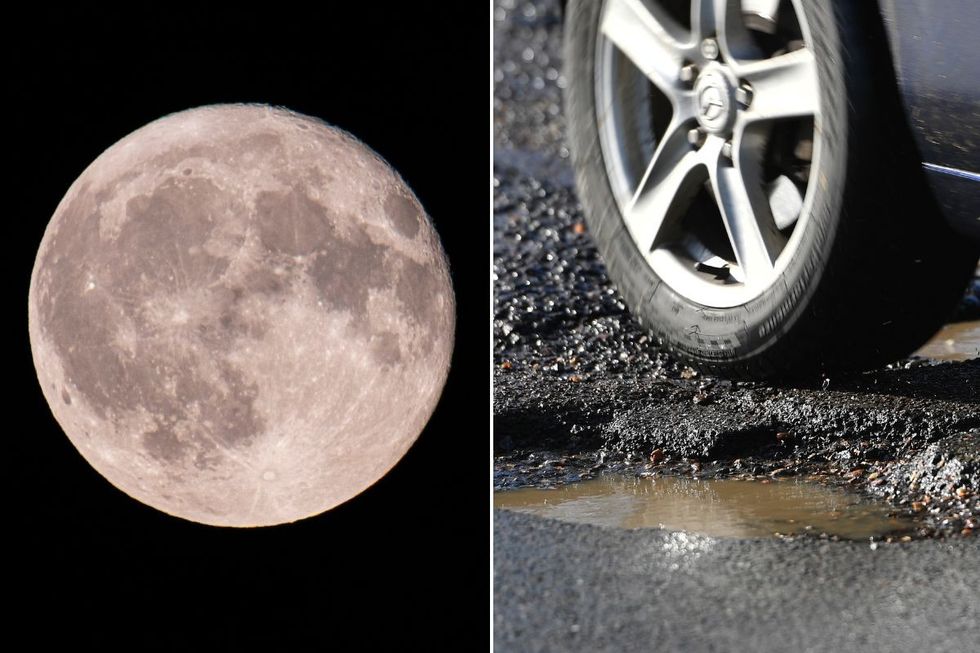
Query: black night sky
{"x": 407, "y": 560}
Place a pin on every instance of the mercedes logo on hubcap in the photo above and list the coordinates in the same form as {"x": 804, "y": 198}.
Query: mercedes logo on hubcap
{"x": 711, "y": 103}
{"x": 713, "y": 94}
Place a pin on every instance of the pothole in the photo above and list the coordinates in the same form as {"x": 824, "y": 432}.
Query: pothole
{"x": 718, "y": 508}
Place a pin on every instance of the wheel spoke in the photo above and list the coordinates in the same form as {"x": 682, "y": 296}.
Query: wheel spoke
{"x": 744, "y": 207}
{"x": 722, "y": 19}
{"x": 782, "y": 87}
{"x": 649, "y": 37}
{"x": 666, "y": 185}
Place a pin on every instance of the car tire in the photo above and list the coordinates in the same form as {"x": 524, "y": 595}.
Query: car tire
{"x": 867, "y": 269}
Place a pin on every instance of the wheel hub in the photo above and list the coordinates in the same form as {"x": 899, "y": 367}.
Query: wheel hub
{"x": 699, "y": 134}
{"x": 714, "y": 92}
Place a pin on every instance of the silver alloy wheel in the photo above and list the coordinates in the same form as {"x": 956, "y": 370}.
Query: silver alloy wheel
{"x": 710, "y": 135}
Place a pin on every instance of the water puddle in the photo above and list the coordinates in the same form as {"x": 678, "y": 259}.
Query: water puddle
{"x": 719, "y": 508}
{"x": 959, "y": 341}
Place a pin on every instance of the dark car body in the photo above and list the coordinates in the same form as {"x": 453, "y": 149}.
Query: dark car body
{"x": 934, "y": 47}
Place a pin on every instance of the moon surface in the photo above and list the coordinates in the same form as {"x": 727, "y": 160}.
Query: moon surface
{"x": 241, "y": 316}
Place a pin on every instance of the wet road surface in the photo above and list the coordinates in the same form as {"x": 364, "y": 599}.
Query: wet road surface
{"x": 580, "y": 391}
{"x": 959, "y": 341}
{"x": 574, "y": 587}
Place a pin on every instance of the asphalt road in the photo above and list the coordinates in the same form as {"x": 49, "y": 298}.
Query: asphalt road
{"x": 580, "y": 390}
{"x": 568, "y": 587}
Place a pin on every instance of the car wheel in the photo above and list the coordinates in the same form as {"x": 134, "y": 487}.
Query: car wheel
{"x": 750, "y": 182}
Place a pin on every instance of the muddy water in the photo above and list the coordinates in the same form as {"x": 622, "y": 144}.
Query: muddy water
{"x": 959, "y": 341}
{"x": 720, "y": 508}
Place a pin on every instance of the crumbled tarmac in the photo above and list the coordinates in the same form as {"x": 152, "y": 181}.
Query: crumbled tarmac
{"x": 580, "y": 389}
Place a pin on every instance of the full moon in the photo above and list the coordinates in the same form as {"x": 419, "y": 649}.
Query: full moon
{"x": 241, "y": 316}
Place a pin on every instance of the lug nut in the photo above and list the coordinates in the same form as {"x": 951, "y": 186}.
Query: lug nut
{"x": 695, "y": 137}
{"x": 743, "y": 95}
{"x": 709, "y": 49}
{"x": 689, "y": 73}
{"x": 726, "y": 149}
